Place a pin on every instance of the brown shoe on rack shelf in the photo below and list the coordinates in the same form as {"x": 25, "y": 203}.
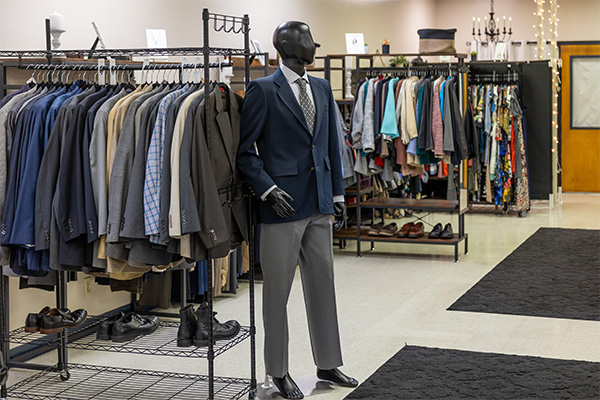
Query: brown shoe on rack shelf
{"x": 416, "y": 231}
{"x": 403, "y": 232}
{"x": 375, "y": 229}
{"x": 389, "y": 230}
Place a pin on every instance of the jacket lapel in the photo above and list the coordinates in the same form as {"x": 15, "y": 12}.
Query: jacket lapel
{"x": 287, "y": 96}
{"x": 222, "y": 119}
{"x": 319, "y": 97}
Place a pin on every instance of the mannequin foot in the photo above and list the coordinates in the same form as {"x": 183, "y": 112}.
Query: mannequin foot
{"x": 336, "y": 376}
{"x": 287, "y": 387}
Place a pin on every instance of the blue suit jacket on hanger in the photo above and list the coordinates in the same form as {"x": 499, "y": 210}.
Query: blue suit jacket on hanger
{"x": 308, "y": 167}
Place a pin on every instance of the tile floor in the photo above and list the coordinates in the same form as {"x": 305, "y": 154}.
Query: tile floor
{"x": 397, "y": 295}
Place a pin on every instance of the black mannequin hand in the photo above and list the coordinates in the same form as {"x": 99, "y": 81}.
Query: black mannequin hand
{"x": 279, "y": 201}
{"x": 339, "y": 210}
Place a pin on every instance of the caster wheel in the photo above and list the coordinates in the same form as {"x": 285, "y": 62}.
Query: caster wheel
{"x": 65, "y": 375}
{"x": 522, "y": 214}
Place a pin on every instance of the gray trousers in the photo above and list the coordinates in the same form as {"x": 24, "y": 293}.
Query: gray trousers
{"x": 307, "y": 242}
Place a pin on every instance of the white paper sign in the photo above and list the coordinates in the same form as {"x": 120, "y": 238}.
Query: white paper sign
{"x": 355, "y": 43}
{"x": 156, "y": 38}
{"x": 500, "y": 52}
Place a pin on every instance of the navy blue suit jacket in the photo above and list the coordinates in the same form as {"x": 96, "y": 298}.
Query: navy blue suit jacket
{"x": 308, "y": 167}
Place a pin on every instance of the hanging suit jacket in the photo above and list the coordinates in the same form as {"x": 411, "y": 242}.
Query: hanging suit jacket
{"x": 306, "y": 166}
{"x": 216, "y": 157}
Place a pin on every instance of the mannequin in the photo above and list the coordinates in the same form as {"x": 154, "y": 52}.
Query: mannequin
{"x": 296, "y": 172}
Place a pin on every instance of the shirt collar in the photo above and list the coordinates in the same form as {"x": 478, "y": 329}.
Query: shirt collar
{"x": 290, "y": 75}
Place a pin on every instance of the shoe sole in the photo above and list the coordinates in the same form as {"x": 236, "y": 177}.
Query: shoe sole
{"x": 132, "y": 335}
{"x": 416, "y": 236}
{"x": 32, "y": 329}
{"x": 204, "y": 342}
{"x": 387, "y": 234}
{"x": 101, "y": 337}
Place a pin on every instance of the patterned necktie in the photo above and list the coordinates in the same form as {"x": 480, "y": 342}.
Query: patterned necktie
{"x": 308, "y": 108}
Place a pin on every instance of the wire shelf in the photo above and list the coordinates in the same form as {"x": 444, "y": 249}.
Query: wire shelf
{"x": 145, "y": 52}
{"x": 89, "y": 382}
{"x": 162, "y": 342}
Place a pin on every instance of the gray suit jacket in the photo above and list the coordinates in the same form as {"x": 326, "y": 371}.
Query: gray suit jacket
{"x": 221, "y": 149}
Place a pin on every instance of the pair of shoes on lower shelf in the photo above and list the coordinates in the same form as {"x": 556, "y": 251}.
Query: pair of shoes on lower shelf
{"x": 54, "y": 320}
{"x": 124, "y": 327}
{"x": 411, "y": 230}
{"x": 439, "y": 233}
{"x": 379, "y": 229}
{"x": 193, "y": 328}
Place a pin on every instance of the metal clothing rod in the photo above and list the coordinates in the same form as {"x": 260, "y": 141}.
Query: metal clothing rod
{"x": 120, "y": 67}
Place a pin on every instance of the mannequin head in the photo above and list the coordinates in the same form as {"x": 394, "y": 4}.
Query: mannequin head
{"x": 295, "y": 44}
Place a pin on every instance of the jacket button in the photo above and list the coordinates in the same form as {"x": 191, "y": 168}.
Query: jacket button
{"x": 313, "y": 146}
{"x": 312, "y": 168}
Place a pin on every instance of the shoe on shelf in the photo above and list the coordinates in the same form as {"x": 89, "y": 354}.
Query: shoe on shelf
{"x": 58, "y": 319}
{"x": 187, "y": 326}
{"x": 435, "y": 233}
{"x": 106, "y": 326}
{"x": 375, "y": 229}
{"x": 447, "y": 232}
{"x": 416, "y": 231}
{"x": 389, "y": 230}
{"x": 132, "y": 325}
{"x": 33, "y": 320}
{"x": 403, "y": 232}
{"x": 221, "y": 331}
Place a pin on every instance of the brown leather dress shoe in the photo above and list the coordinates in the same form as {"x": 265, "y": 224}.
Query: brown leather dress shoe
{"x": 416, "y": 231}
{"x": 403, "y": 232}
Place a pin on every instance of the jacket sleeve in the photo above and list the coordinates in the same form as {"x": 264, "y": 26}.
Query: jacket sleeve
{"x": 334, "y": 148}
{"x": 253, "y": 119}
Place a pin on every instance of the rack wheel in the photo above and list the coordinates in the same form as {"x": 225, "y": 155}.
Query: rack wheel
{"x": 252, "y": 396}
{"x": 522, "y": 214}
{"x": 65, "y": 375}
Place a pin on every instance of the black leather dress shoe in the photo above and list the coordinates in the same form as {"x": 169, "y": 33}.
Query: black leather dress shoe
{"x": 56, "y": 320}
{"x": 287, "y": 387}
{"x": 336, "y": 376}
{"x": 221, "y": 331}
{"x": 447, "y": 232}
{"x": 188, "y": 323}
{"x": 33, "y": 320}
{"x": 105, "y": 327}
{"x": 132, "y": 325}
{"x": 435, "y": 232}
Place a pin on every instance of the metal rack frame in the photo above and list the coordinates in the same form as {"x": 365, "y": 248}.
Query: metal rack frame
{"x": 429, "y": 205}
{"x": 224, "y": 23}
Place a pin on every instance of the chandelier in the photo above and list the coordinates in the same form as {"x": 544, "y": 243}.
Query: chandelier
{"x": 491, "y": 28}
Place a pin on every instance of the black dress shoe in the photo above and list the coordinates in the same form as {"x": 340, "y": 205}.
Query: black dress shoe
{"x": 447, "y": 232}
{"x": 221, "y": 331}
{"x": 287, "y": 387}
{"x": 336, "y": 376}
{"x": 187, "y": 326}
{"x": 106, "y": 326}
{"x": 132, "y": 325}
{"x": 33, "y": 320}
{"x": 56, "y": 320}
{"x": 435, "y": 233}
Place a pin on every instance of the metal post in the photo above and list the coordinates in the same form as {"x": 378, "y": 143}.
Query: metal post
{"x": 48, "y": 42}
{"x": 207, "y": 117}
{"x": 184, "y": 283}
{"x": 251, "y": 226}
{"x": 328, "y": 68}
{"x": 266, "y": 65}
{"x": 4, "y": 327}
{"x": 61, "y": 302}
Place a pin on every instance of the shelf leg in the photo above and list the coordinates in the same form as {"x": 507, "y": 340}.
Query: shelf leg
{"x": 372, "y": 246}
{"x": 61, "y": 302}
{"x": 184, "y": 293}
{"x": 456, "y": 252}
{"x": 4, "y": 329}
{"x": 467, "y": 245}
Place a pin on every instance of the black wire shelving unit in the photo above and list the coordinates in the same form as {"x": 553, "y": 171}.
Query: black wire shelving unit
{"x": 89, "y": 382}
{"x": 66, "y": 381}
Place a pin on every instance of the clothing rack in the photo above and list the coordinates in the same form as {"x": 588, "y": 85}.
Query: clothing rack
{"x": 459, "y": 206}
{"x": 37, "y": 385}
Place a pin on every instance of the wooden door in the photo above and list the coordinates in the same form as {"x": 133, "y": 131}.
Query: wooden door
{"x": 580, "y": 116}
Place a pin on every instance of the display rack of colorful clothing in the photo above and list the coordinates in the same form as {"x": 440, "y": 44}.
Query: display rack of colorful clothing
{"x": 500, "y": 175}
{"x": 99, "y": 180}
